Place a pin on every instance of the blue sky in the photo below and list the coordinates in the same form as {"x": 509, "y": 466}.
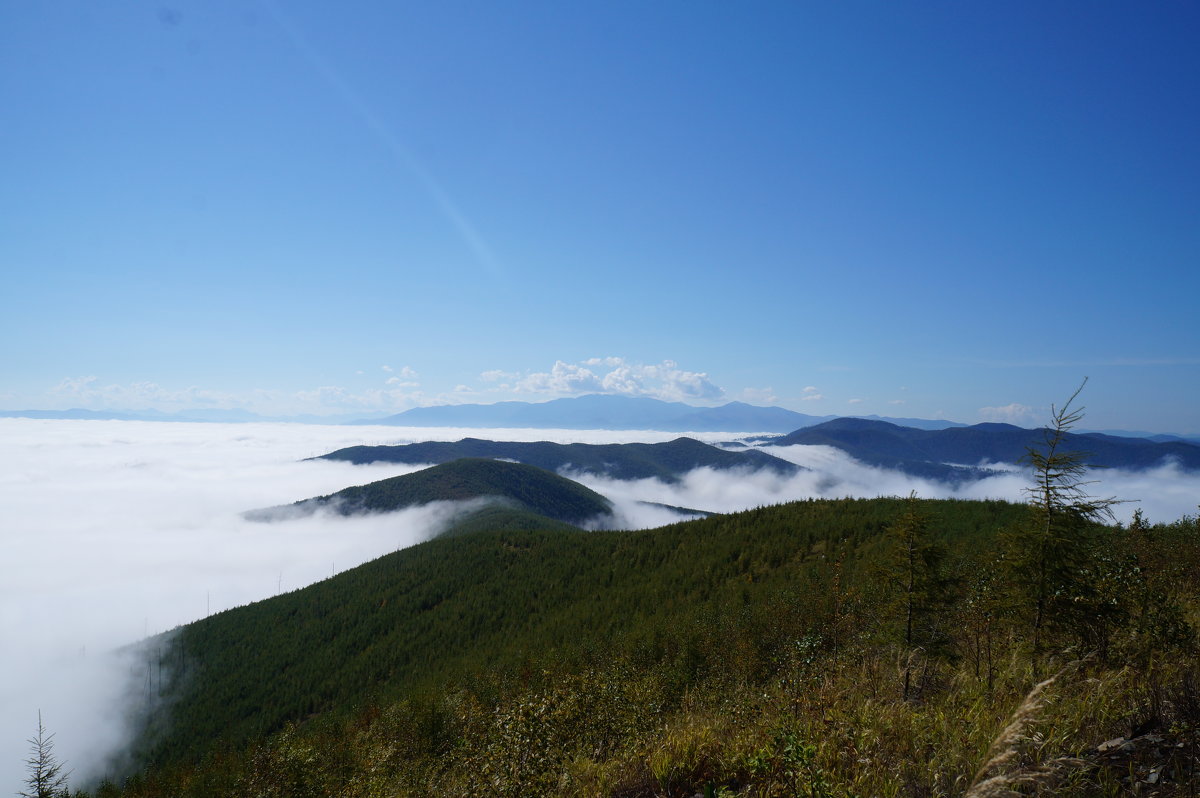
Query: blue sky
{"x": 935, "y": 209}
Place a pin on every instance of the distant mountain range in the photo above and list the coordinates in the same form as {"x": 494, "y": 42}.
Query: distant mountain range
{"x": 666, "y": 461}
{"x": 1150, "y": 436}
{"x": 928, "y": 452}
{"x": 592, "y": 411}
{"x": 604, "y": 411}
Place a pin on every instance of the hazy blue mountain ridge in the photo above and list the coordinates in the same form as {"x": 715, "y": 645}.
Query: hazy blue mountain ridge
{"x": 925, "y": 451}
{"x": 603, "y": 411}
{"x": 591, "y": 411}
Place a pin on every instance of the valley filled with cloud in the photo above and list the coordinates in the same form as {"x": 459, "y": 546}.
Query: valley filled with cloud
{"x": 118, "y": 530}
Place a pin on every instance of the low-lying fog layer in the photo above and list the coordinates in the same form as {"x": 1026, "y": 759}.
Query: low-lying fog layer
{"x": 1163, "y": 494}
{"x": 114, "y": 530}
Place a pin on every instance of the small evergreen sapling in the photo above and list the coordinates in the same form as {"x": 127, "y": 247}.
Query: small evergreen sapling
{"x": 46, "y": 778}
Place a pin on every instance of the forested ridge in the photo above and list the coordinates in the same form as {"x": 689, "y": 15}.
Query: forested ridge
{"x": 849, "y": 647}
{"x": 516, "y": 485}
{"x": 927, "y": 452}
{"x": 495, "y": 599}
{"x": 666, "y": 461}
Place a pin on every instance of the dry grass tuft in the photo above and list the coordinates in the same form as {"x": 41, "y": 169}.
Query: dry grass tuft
{"x": 1002, "y": 771}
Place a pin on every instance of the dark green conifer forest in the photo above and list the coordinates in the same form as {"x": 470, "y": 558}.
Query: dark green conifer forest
{"x": 852, "y": 647}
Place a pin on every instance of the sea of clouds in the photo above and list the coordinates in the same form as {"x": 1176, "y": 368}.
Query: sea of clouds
{"x": 115, "y": 530}
{"x": 118, "y": 530}
{"x": 1163, "y": 494}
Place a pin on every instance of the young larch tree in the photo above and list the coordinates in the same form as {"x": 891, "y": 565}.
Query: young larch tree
{"x": 1046, "y": 555}
{"x": 46, "y": 778}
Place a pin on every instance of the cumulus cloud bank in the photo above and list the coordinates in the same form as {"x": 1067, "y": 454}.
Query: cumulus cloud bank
{"x": 1013, "y": 413}
{"x": 612, "y": 375}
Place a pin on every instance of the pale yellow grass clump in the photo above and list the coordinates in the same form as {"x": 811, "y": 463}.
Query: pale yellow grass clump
{"x": 1003, "y": 770}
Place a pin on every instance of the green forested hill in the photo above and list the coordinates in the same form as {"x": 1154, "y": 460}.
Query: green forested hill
{"x": 820, "y": 648}
{"x": 493, "y": 599}
{"x": 521, "y": 486}
{"x": 666, "y": 461}
{"x": 502, "y": 516}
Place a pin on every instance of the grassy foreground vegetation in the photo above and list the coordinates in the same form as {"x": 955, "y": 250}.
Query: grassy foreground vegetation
{"x": 819, "y": 648}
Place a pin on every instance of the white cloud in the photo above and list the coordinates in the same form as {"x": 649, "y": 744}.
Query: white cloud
{"x": 1009, "y": 414}
{"x": 810, "y": 389}
{"x": 854, "y": 401}
{"x": 75, "y": 386}
{"x": 812, "y": 397}
{"x": 401, "y": 391}
{"x": 1164, "y": 494}
{"x": 759, "y": 396}
{"x": 563, "y": 378}
{"x": 625, "y": 380}
{"x": 609, "y": 361}
{"x": 404, "y": 373}
{"x": 896, "y": 402}
{"x": 330, "y": 397}
{"x": 88, "y": 391}
{"x": 675, "y": 383}
{"x": 615, "y": 375}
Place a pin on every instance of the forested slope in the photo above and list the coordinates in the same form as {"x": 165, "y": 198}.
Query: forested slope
{"x": 515, "y": 485}
{"x": 821, "y": 648}
{"x": 924, "y": 452}
{"x": 493, "y": 599}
